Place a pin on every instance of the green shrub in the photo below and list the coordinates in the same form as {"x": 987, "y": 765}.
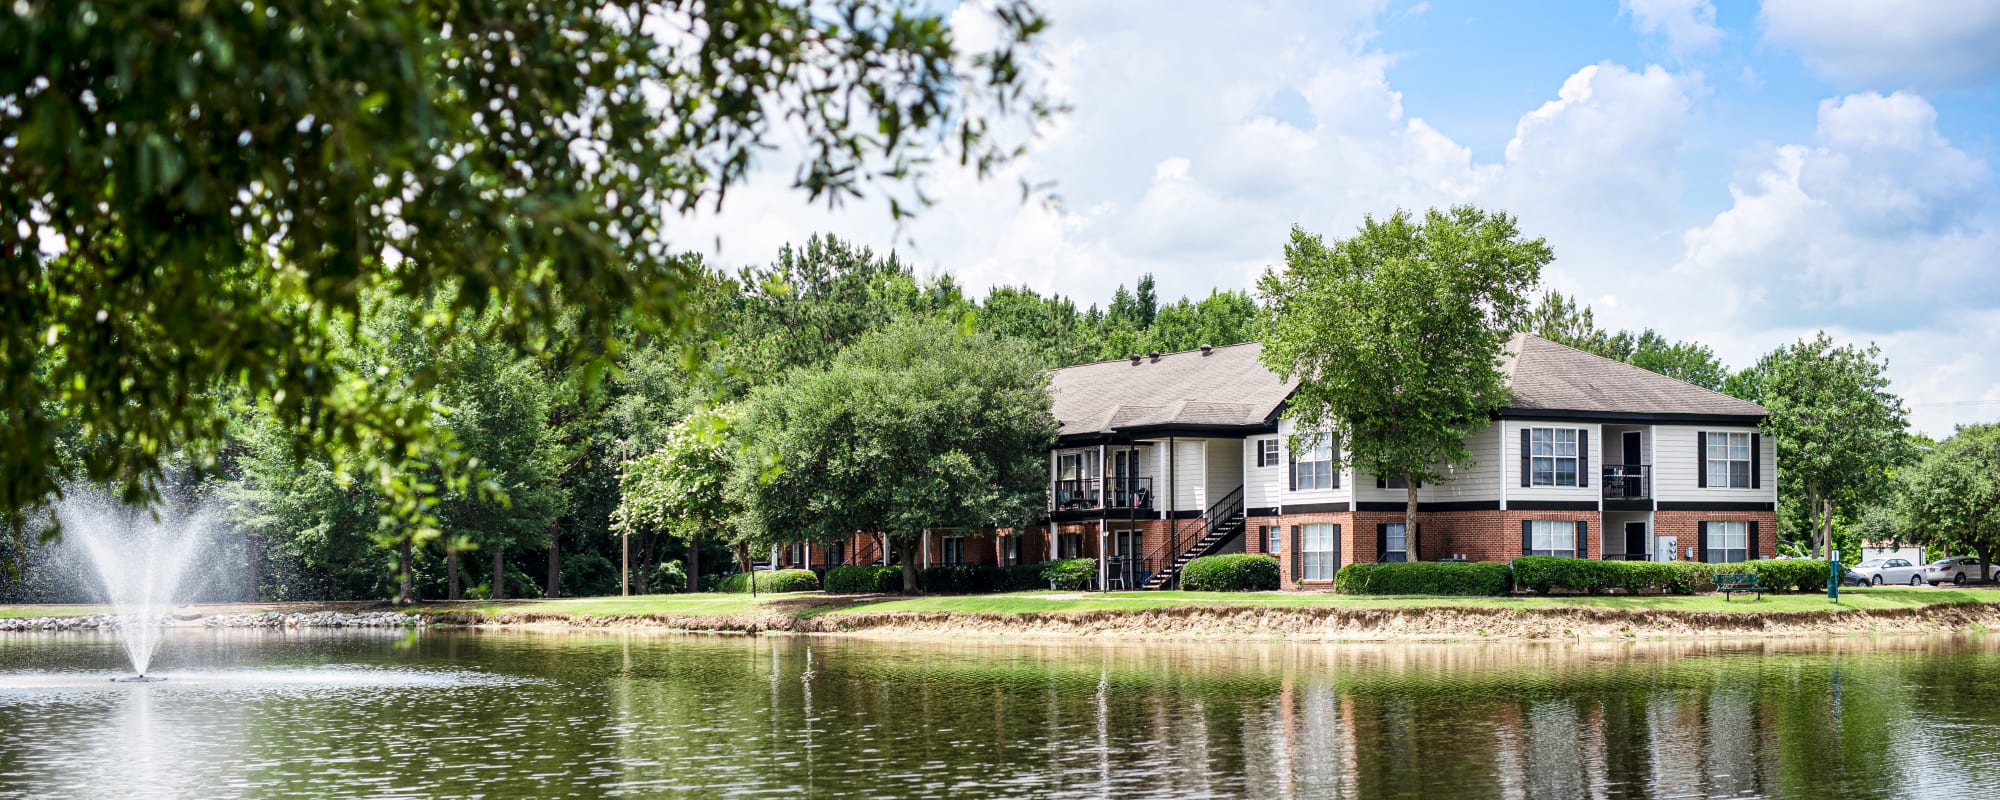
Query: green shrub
{"x": 1238, "y": 572}
{"x": 1069, "y": 574}
{"x": 1477, "y": 578}
{"x": 961, "y": 579}
{"x": 1785, "y": 574}
{"x": 771, "y": 581}
{"x": 670, "y": 578}
{"x": 1544, "y": 573}
{"x": 1024, "y": 578}
{"x": 864, "y": 580}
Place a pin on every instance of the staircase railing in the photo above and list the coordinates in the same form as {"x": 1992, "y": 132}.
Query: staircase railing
{"x": 1187, "y": 534}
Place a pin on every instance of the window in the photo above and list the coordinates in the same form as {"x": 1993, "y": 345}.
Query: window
{"x": 1729, "y": 460}
{"x": 1267, "y": 452}
{"x": 1318, "y": 552}
{"x": 1552, "y": 456}
{"x": 1070, "y": 545}
{"x": 1552, "y": 537}
{"x": 1011, "y": 550}
{"x": 1315, "y": 468}
{"x": 1395, "y": 544}
{"x": 1728, "y": 542}
{"x": 1272, "y": 534}
{"x": 836, "y": 554}
{"x": 954, "y": 549}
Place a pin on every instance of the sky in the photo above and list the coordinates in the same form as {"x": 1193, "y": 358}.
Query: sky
{"x": 1740, "y": 174}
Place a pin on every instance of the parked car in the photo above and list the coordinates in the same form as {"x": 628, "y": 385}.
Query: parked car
{"x": 1878, "y": 571}
{"x": 1957, "y": 569}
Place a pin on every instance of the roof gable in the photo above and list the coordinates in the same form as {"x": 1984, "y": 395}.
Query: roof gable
{"x": 1547, "y": 376}
{"x": 1224, "y": 387}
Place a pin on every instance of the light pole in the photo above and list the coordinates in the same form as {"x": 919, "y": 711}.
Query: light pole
{"x": 624, "y": 536}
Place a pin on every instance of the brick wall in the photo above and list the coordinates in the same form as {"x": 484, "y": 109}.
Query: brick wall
{"x": 1683, "y": 525}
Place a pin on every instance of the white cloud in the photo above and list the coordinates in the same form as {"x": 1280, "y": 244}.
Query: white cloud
{"x": 1689, "y": 25}
{"x": 1868, "y": 43}
{"x": 1879, "y": 229}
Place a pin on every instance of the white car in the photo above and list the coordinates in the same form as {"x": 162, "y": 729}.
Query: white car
{"x": 1878, "y": 571}
{"x": 1958, "y": 570}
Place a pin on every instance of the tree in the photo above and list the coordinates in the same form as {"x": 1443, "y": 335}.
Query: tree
{"x": 1560, "y": 319}
{"x": 919, "y": 426}
{"x": 1951, "y": 498}
{"x": 1691, "y": 362}
{"x": 681, "y": 489}
{"x": 1837, "y": 427}
{"x": 1395, "y": 335}
{"x": 219, "y": 220}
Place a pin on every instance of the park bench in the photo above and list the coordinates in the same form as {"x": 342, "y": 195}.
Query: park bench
{"x": 1731, "y": 584}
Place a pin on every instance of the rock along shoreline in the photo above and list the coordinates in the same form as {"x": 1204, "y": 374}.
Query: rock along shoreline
{"x": 1194, "y": 622}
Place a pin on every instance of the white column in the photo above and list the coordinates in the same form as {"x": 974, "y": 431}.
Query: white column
{"x": 809, "y": 555}
{"x": 1103, "y": 536}
{"x": 927, "y": 548}
{"x": 1502, "y": 455}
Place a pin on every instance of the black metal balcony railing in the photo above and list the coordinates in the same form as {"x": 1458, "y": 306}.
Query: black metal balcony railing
{"x": 1628, "y": 482}
{"x": 1093, "y": 493}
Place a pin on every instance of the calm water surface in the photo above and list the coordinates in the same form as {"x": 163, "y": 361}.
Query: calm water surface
{"x": 521, "y": 714}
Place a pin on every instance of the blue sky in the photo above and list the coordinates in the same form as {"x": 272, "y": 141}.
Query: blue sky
{"x": 1741, "y": 174}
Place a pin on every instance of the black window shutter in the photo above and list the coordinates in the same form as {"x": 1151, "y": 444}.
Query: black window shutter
{"x": 1756, "y": 462}
{"x": 1414, "y": 544}
{"x": 1527, "y": 536}
{"x": 1701, "y": 459}
{"x": 1381, "y": 483}
{"x": 1295, "y": 473}
{"x": 1298, "y": 561}
{"x": 1336, "y": 549}
{"x": 1701, "y": 542}
{"x": 1335, "y": 464}
{"x": 1583, "y": 458}
{"x": 1753, "y": 542}
{"x": 1524, "y": 457}
{"x": 1582, "y": 539}
{"x": 1381, "y": 542}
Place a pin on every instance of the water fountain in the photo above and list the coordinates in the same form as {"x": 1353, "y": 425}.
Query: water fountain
{"x": 139, "y": 556}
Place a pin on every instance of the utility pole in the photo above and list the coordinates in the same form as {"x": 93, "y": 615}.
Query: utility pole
{"x": 624, "y": 536}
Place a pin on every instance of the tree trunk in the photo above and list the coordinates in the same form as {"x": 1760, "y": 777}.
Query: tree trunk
{"x": 499, "y": 574}
{"x": 906, "y": 550}
{"x": 553, "y": 588}
{"x": 694, "y": 563}
{"x": 451, "y": 582}
{"x": 742, "y": 557}
{"x": 1985, "y": 562}
{"x": 407, "y": 592}
{"x": 1826, "y": 530}
{"x": 1410, "y": 541}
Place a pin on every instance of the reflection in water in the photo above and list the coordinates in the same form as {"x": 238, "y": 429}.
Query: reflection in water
{"x": 589, "y": 715}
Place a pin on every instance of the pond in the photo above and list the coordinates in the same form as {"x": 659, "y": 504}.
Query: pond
{"x": 566, "y": 714}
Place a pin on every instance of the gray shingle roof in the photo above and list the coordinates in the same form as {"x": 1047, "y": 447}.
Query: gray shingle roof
{"x": 1226, "y": 387}
{"x": 1547, "y": 376}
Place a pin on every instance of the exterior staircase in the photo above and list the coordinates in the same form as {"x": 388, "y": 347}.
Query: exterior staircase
{"x": 1198, "y": 538}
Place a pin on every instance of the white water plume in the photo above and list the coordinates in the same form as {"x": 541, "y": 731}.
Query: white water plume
{"x": 140, "y": 557}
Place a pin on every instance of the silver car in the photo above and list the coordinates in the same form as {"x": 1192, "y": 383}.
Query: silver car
{"x": 1878, "y": 571}
{"x": 1958, "y": 570}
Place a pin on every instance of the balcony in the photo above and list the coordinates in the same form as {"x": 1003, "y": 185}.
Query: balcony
{"x": 1080, "y": 494}
{"x": 1628, "y": 482}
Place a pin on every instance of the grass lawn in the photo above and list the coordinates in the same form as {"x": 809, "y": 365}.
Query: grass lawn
{"x": 51, "y": 611}
{"x": 693, "y": 605}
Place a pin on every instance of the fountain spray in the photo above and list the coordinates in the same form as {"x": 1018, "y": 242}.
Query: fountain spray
{"x": 140, "y": 557}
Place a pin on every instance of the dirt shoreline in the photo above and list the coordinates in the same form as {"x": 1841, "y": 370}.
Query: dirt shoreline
{"x": 1452, "y": 623}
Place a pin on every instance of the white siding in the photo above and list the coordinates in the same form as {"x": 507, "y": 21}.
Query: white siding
{"x": 1675, "y": 471}
{"x": 1510, "y": 463}
{"x": 1187, "y": 473}
{"x": 1479, "y": 480}
{"x": 1225, "y": 467}
{"x": 1263, "y": 487}
{"x": 1290, "y": 498}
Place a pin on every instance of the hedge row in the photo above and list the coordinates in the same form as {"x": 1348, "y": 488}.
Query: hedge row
{"x": 773, "y": 581}
{"x": 1074, "y": 573}
{"x": 1543, "y": 574}
{"x": 1476, "y": 578}
{"x": 1238, "y": 572}
{"x": 864, "y": 580}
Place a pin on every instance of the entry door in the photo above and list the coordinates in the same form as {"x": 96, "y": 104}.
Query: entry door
{"x": 1635, "y": 538}
{"x": 1633, "y": 443}
{"x": 1126, "y": 544}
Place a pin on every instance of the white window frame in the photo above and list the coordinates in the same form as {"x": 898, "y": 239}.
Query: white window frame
{"x": 1274, "y": 536}
{"x": 1396, "y": 539}
{"x": 1316, "y": 552}
{"x": 1728, "y": 542}
{"x": 1548, "y": 537}
{"x": 1268, "y": 454}
{"x": 1547, "y": 446}
{"x": 1734, "y": 451}
{"x": 1315, "y": 467}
